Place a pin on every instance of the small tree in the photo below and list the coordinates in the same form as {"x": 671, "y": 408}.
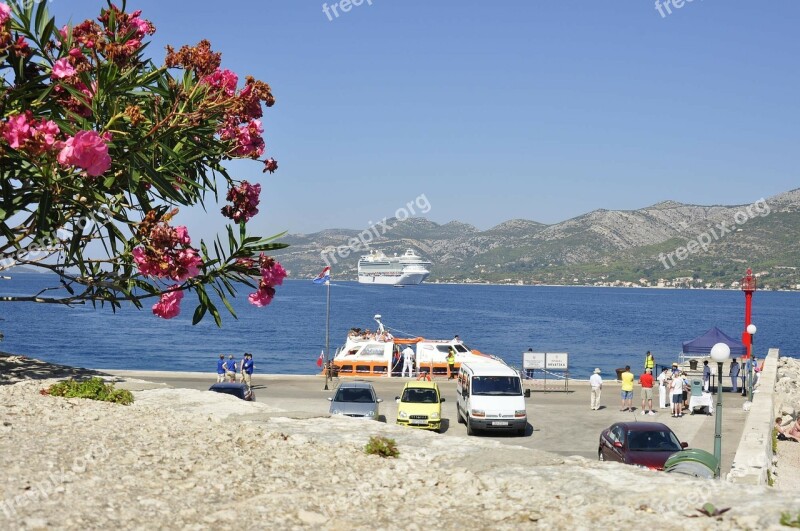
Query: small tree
{"x": 99, "y": 147}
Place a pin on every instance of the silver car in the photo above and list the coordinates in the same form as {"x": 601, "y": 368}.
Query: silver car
{"x": 356, "y": 399}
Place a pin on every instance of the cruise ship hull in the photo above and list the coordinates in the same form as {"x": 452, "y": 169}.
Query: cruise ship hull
{"x": 394, "y": 278}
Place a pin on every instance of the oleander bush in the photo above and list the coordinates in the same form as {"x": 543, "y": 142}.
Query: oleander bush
{"x": 93, "y": 389}
{"x": 100, "y": 147}
{"x": 382, "y": 446}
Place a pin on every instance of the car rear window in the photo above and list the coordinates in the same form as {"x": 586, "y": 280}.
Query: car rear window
{"x": 653, "y": 441}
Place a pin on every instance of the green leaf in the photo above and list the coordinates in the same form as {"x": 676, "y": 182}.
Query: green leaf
{"x": 199, "y": 313}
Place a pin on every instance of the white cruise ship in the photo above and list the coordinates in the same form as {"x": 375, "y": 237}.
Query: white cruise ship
{"x": 406, "y": 270}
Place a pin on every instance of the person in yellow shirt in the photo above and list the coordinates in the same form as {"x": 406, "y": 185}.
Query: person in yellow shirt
{"x": 627, "y": 389}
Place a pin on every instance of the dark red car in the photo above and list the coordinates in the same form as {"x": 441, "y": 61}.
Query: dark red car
{"x": 646, "y": 444}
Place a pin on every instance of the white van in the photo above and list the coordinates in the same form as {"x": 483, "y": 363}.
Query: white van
{"x": 490, "y": 397}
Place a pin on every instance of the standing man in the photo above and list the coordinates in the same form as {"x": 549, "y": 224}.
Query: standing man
{"x": 230, "y": 369}
{"x": 734, "y": 375}
{"x": 706, "y": 376}
{"x": 408, "y": 362}
{"x": 663, "y": 382}
{"x": 451, "y": 363}
{"x": 597, "y": 388}
{"x": 247, "y": 370}
{"x": 646, "y": 381}
{"x": 627, "y": 389}
{"x": 649, "y": 362}
{"x": 676, "y": 389}
{"x": 221, "y": 368}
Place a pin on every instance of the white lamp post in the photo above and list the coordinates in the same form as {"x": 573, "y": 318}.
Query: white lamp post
{"x": 751, "y": 329}
{"x": 719, "y": 353}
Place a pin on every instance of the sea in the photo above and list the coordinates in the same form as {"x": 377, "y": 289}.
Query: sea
{"x": 598, "y": 327}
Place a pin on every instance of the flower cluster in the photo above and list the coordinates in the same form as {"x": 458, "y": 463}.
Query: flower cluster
{"x": 5, "y": 13}
{"x": 272, "y": 274}
{"x": 167, "y": 252}
{"x": 244, "y": 199}
{"x": 87, "y": 150}
{"x": 246, "y": 138}
{"x": 169, "y": 304}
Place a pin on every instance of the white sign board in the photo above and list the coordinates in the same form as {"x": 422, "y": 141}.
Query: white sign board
{"x": 533, "y": 360}
{"x": 558, "y": 361}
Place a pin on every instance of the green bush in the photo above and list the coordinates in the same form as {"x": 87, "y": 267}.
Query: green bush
{"x": 788, "y": 521}
{"x": 774, "y": 441}
{"x": 382, "y": 446}
{"x": 94, "y": 389}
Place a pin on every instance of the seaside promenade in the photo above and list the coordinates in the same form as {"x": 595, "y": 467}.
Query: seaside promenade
{"x": 559, "y": 422}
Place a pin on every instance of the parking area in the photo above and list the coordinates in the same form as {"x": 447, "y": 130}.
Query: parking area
{"x": 559, "y": 422}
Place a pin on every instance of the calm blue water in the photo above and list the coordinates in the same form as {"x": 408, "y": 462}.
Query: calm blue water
{"x": 599, "y": 327}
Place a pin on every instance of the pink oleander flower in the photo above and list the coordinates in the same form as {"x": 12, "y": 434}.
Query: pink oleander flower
{"x": 270, "y": 165}
{"x": 244, "y": 199}
{"x": 188, "y": 264}
{"x": 183, "y": 235}
{"x": 62, "y": 68}
{"x": 224, "y": 80}
{"x": 17, "y": 130}
{"x": 274, "y": 275}
{"x": 144, "y": 263}
{"x": 263, "y": 296}
{"x": 5, "y": 13}
{"x": 87, "y": 150}
{"x": 169, "y": 304}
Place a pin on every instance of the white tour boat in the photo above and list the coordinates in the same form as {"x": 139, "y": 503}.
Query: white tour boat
{"x": 380, "y": 354}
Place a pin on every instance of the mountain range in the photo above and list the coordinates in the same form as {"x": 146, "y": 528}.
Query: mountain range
{"x": 667, "y": 244}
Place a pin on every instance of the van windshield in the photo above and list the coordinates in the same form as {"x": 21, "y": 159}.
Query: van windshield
{"x": 496, "y": 385}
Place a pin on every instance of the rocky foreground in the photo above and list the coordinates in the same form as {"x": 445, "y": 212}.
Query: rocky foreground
{"x": 183, "y": 459}
{"x": 787, "y": 402}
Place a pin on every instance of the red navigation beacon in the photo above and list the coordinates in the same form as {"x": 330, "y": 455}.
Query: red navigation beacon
{"x": 749, "y": 287}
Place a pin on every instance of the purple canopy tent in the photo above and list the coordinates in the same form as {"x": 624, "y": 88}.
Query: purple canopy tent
{"x": 701, "y": 346}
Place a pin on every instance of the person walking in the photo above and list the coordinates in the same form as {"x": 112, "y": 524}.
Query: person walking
{"x": 247, "y": 370}
{"x": 408, "y": 362}
{"x": 676, "y": 388}
{"x": 230, "y": 369}
{"x": 596, "y": 381}
{"x": 627, "y": 378}
{"x": 706, "y": 376}
{"x": 663, "y": 395}
{"x": 221, "y": 368}
{"x": 451, "y": 363}
{"x": 734, "y": 373}
{"x": 649, "y": 362}
{"x": 646, "y": 381}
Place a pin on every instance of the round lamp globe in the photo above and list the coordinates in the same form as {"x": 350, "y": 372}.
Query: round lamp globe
{"x": 751, "y": 329}
{"x": 720, "y": 352}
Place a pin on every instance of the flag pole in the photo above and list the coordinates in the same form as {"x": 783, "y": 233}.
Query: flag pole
{"x": 327, "y": 334}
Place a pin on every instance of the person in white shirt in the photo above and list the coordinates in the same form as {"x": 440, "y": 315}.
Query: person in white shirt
{"x": 408, "y": 362}
{"x": 663, "y": 400}
{"x": 597, "y": 386}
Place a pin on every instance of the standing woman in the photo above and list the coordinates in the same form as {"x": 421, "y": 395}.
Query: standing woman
{"x": 663, "y": 397}
{"x": 677, "y": 394}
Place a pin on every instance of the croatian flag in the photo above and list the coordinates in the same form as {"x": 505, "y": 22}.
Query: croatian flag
{"x": 319, "y": 360}
{"x": 323, "y": 277}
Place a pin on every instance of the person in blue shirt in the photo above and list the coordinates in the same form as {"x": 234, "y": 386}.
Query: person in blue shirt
{"x": 734, "y": 372}
{"x": 706, "y": 376}
{"x": 221, "y": 368}
{"x": 230, "y": 369}
{"x": 247, "y": 370}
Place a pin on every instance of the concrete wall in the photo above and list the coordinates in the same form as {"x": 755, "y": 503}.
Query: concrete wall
{"x": 754, "y": 456}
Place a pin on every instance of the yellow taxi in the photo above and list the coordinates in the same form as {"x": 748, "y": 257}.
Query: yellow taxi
{"x": 420, "y": 406}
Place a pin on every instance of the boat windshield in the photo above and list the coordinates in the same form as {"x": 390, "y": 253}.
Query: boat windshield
{"x": 496, "y": 385}
{"x": 420, "y": 396}
{"x": 653, "y": 441}
{"x": 362, "y": 396}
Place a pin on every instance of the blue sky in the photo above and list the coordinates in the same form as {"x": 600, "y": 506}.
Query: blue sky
{"x": 541, "y": 110}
